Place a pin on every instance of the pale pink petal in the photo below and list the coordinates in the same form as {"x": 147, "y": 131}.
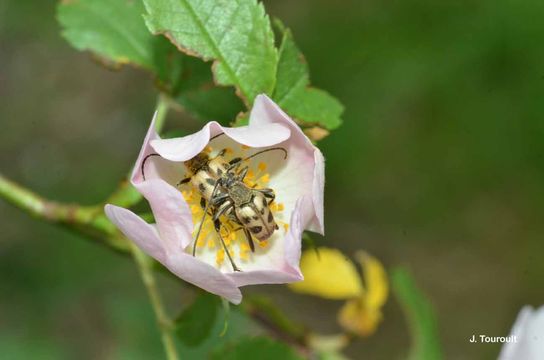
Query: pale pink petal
{"x": 288, "y": 269}
{"x": 305, "y": 164}
{"x": 242, "y": 278}
{"x": 317, "y": 224}
{"x": 145, "y": 236}
{"x": 185, "y": 266}
{"x": 146, "y": 149}
{"x": 203, "y": 275}
{"x": 528, "y": 331}
{"x": 171, "y": 212}
{"x": 187, "y": 147}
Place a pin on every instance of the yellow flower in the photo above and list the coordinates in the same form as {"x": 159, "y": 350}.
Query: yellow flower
{"x": 330, "y": 274}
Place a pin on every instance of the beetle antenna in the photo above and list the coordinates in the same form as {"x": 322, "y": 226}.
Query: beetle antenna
{"x": 216, "y": 136}
{"x": 267, "y": 150}
{"x": 143, "y": 163}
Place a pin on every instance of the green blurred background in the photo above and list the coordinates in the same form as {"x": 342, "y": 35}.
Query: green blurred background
{"x": 439, "y": 166}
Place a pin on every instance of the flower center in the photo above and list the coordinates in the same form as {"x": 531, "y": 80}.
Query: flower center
{"x": 232, "y": 233}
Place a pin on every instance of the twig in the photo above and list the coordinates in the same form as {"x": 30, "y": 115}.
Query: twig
{"x": 88, "y": 220}
{"x": 145, "y": 266}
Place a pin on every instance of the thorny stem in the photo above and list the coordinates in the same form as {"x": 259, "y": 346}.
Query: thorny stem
{"x": 145, "y": 266}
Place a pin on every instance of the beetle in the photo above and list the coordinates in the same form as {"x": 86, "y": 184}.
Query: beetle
{"x": 223, "y": 192}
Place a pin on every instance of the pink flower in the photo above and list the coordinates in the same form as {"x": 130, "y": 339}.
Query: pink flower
{"x": 297, "y": 181}
{"x": 526, "y": 339}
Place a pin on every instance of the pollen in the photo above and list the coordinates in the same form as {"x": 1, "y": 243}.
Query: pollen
{"x": 211, "y": 244}
{"x": 220, "y": 256}
{"x": 261, "y": 166}
{"x": 244, "y": 247}
{"x": 265, "y": 178}
{"x": 229, "y": 151}
{"x": 245, "y": 147}
{"x": 195, "y": 209}
{"x": 275, "y": 207}
{"x": 208, "y": 149}
{"x": 263, "y": 243}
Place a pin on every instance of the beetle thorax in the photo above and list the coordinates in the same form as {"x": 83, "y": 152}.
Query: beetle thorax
{"x": 239, "y": 193}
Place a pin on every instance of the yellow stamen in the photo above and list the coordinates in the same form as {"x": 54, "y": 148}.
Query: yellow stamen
{"x": 195, "y": 208}
{"x": 265, "y": 178}
{"x": 263, "y": 243}
{"x": 244, "y": 247}
{"x": 220, "y": 256}
{"x": 211, "y": 244}
{"x": 262, "y": 166}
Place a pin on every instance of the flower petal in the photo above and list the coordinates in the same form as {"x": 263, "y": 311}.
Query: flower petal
{"x": 185, "y": 266}
{"x": 146, "y": 149}
{"x": 171, "y": 213}
{"x": 529, "y": 336}
{"x": 304, "y": 166}
{"x": 376, "y": 283}
{"x": 359, "y": 319}
{"x": 187, "y": 147}
{"x": 203, "y": 275}
{"x": 328, "y": 274}
{"x": 287, "y": 258}
{"x": 145, "y": 236}
{"x": 318, "y": 224}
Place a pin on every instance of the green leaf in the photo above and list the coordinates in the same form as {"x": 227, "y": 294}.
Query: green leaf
{"x": 195, "y": 323}
{"x": 308, "y": 105}
{"x": 235, "y": 34}
{"x": 261, "y": 348}
{"x": 420, "y": 316}
{"x": 198, "y": 94}
{"x": 115, "y": 31}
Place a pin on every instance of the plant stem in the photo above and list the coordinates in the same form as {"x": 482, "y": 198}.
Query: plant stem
{"x": 165, "y": 327}
{"x": 89, "y": 220}
{"x": 161, "y": 110}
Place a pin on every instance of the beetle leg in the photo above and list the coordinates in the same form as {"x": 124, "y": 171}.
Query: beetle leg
{"x": 204, "y": 216}
{"x": 222, "y": 209}
{"x": 217, "y": 225}
{"x": 268, "y": 193}
{"x": 242, "y": 174}
{"x": 249, "y": 239}
{"x": 183, "y": 181}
